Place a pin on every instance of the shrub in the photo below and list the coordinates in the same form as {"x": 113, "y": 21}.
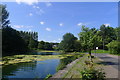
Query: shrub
{"x": 92, "y": 56}
{"x": 92, "y": 74}
{"x": 48, "y": 76}
{"x": 87, "y": 62}
{"x": 114, "y": 47}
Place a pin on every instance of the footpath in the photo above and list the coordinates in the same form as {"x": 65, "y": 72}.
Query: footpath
{"x": 110, "y": 64}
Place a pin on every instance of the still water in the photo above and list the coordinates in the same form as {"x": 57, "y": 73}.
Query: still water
{"x": 47, "y": 53}
{"x": 37, "y": 69}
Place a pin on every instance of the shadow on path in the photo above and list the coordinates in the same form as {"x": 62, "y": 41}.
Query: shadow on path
{"x": 105, "y": 57}
{"x": 107, "y": 63}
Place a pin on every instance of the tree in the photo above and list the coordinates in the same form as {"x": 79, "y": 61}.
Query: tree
{"x": 31, "y": 43}
{"x": 48, "y": 46}
{"x": 67, "y": 44}
{"x": 107, "y": 34}
{"x": 12, "y": 42}
{"x": 77, "y": 46}
{"x": 117, "y": 32}
{"x": 31, "y": 38}
{"x": 41, "y": 45}
{"x": 114, "y": 47}
{"x": 4, "y": 21}
{"x": 103, "y": 33}
{"x": 88, "y": 39}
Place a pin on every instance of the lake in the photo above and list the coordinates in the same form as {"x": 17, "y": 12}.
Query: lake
{"x": 37, "y": 69}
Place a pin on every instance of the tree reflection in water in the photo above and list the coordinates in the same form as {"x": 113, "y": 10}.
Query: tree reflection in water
{"x": 11, "y": 69}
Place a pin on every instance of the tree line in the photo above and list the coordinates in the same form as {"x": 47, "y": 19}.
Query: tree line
{"x": 31, "y": 38}
{"x": 42, "y": 45}
{"x": 104, "y": 38}
{"x": 13, "y": 41}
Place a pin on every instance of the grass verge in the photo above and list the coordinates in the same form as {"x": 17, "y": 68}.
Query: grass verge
{"x": 103, "y": 51}
{"x": 100, "y": 51}
{"x": 74, "y": 71}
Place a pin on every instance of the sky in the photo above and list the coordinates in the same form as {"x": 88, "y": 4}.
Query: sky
{"x": 53, "y": 19}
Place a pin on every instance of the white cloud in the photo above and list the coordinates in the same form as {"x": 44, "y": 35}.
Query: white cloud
{"x": 40, "y": 12}
{"x": 61, "y": 24}
{"x": 29, "y": 2}
{"x": 48, "y": 4}
{"x": 107, "y": 24}
{"x": 34, "y": 6}
{"x": 59, "y": 39}
{"x": 42, "y": 23}
{"x": 18, "y": 26}
{"x": 30, "y": 14}
{"x": 48, "y": 29}
{"x": 21, "y": 26}
{"x": 54, "y": 41}
{"x": 29, "y": 30}
{"x": 80, "y": 24}
{"x": 37, "y": 7}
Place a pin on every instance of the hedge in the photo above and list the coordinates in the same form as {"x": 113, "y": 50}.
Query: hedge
{"x": 114, "y": 47}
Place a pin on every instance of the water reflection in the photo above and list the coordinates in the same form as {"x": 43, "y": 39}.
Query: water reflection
{"x": 38, "y": 69}
{"x": 44, "y": 53}
{"x": 47, "y": 53}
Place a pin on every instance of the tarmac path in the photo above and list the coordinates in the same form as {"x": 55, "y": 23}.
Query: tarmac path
{"x": 111, "y": 64}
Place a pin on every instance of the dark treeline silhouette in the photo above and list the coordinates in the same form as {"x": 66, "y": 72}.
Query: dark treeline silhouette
{"x": 13, "y": 41}
{"x": 31, "y": 38}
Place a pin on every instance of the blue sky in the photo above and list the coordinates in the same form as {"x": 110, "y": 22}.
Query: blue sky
{"x": 53, "y": 19}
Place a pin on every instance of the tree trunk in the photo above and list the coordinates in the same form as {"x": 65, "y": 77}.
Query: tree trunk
{"x": 90, "y": 55}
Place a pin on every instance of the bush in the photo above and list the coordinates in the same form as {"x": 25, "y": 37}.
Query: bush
{"x": 92, "y": 56}
{"x": 114, "y": 47}
{"x": 92, "y": 74}
{"x": 48, "y": 76}
{"x": 87, "y": 62}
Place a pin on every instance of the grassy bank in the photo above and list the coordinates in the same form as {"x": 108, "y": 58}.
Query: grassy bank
{"x": 74, "y": 71}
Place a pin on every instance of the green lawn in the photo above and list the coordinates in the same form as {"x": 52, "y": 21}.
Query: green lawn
{"x": 103, "y": 51}
{"x": 100, "y": 51}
